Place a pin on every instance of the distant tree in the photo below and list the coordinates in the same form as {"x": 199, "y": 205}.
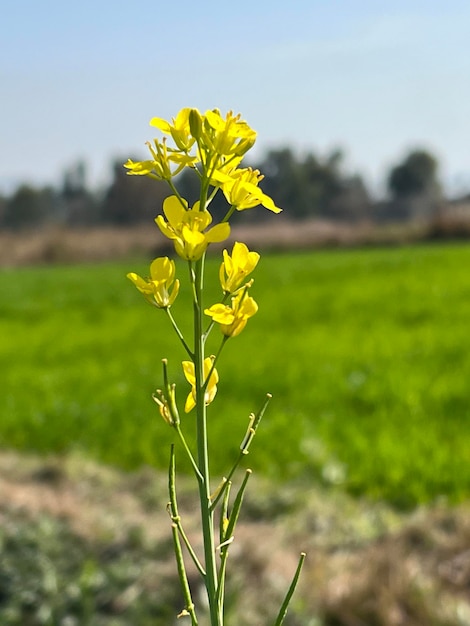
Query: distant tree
{"x": 79, "y": 206}
{"x": 414, "y": 186}
{"x": 29, "y": 207}
{"x": 352, "y": 202}
{"x": 324, "y": 181}
{"x": 417, "y": 174}
{"x": 132, "y": 199}
{"x": 3, "y": 204}
{"x": 74, "y": 180}
{"x": 285, "y": 181}
{"x": 311, "y": 186}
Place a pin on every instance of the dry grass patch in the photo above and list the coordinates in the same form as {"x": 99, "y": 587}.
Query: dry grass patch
{"x": 74, "y": 245}
{"x": 367, "y": 564}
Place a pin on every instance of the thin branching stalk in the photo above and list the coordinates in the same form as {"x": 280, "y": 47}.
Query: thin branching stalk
{"x": 213, "y": 147}
{"x": 189, "y": 610}
{"x": 194, "y": 465}
{"x": 179, "y": 333}
{"x": 207, "y": 521}
{"x": 175, "y": 516}
{"x": 227, "y": 539}
{"x": 255, "y": 419}
{"x": 290, "y": 592}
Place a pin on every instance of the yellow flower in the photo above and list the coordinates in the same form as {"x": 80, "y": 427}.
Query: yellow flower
{"x": 179, "y": 130}
{"x": 186, "y": 228}
{"x": 224, "y": 171}
{"x": 160, "y": 167}
{"x": 141, "y": 168}
{"x": 236, "y": 268}
{"x": 156, "y": 289}
{"x": 241, "y": 190}
{"x": 229, "y": 136}
{"x": 233, "y": 319}
{"x": 211, "y": 388}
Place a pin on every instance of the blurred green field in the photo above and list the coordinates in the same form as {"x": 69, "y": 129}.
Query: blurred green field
{"x": 366, "y": 352}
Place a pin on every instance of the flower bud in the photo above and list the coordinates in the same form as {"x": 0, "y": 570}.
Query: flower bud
{"x": 244, "y": 145}
{"x": 195, "y": 123}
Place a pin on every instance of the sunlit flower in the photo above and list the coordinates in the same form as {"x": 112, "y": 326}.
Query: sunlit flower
{"x": 180, "y": 130}
{"x": 229, "y": 136}
{"x": 211, "y": 384}
{"x": 241, "y": 190}
{"x": 233, "y": 318}
{"x": 165, "y": 164}
{"x": 156, "y": 289}
{"x": 234, "y": 269}
{"x": 224, "y": 171}
{"x": 187, "y": 228}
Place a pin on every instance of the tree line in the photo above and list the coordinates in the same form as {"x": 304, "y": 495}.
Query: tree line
{"x": 305, "y": 185}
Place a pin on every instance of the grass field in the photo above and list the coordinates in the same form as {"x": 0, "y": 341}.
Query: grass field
{"x": 366, "y": 352}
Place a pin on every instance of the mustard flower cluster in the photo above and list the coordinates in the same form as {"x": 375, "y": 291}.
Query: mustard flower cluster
{"x": 213, "y": 146}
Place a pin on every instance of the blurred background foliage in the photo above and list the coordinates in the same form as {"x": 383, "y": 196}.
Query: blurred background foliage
{"x": 307, "y": 185}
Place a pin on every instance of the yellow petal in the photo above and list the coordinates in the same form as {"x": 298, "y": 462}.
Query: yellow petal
{"x": 268, "y": 203}
{"x": 174, "y": 292}
{"x": 215, "y": 120}
{"x": 174, "y": 211}
{"x": 162, "y": 269}
{"x": 214, "y": 379}
{"x": 163, "y": 226}
{"x": 188, "y": 369}
{"x": 141, "y": 284}
{"x": 218, "y": 233}
{"x": 161, "y": 124}
{"x": 139, "y": 168}
{"x": 190, "y": 403}
{"x": 193, "y": 237}
{"x": 182, "y": 118}
{"x": 221, "y": 313}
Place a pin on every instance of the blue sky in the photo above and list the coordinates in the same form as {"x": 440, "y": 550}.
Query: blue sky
{"x": 81, "y": 80}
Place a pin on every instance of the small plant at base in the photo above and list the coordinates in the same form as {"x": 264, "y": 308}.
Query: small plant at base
{"x": 214, "y": 147}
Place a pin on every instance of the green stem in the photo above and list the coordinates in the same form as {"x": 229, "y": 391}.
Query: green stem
{"x": 177, "y": 194}
{"x": 178, "y": 332}
{"x": 227, "y": 539}
{"x": 212, "y": 195}
{"x": 207, "y": 520}
{"x": 175, "y": 516}
{"x": 223, "y": 552}
{"x": 237, "y": 505}
{"x": 285, "y": 605}
{"x": 255, "y": 419}
{"x": 176, "y": 542}
{"x": 215, "y": 359}
{"x": 189, "y": 453}
{"x": 229, "y": 213}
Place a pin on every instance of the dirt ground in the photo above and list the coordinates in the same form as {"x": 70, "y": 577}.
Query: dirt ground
{"x": 366, "y": 563}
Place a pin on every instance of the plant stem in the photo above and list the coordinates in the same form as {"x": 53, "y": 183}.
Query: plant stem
{"x": 176, "y": 542}
{"x": 207, "y": 520}
{"x": 285, "y": 605}
{"x": 178, "y": 332}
